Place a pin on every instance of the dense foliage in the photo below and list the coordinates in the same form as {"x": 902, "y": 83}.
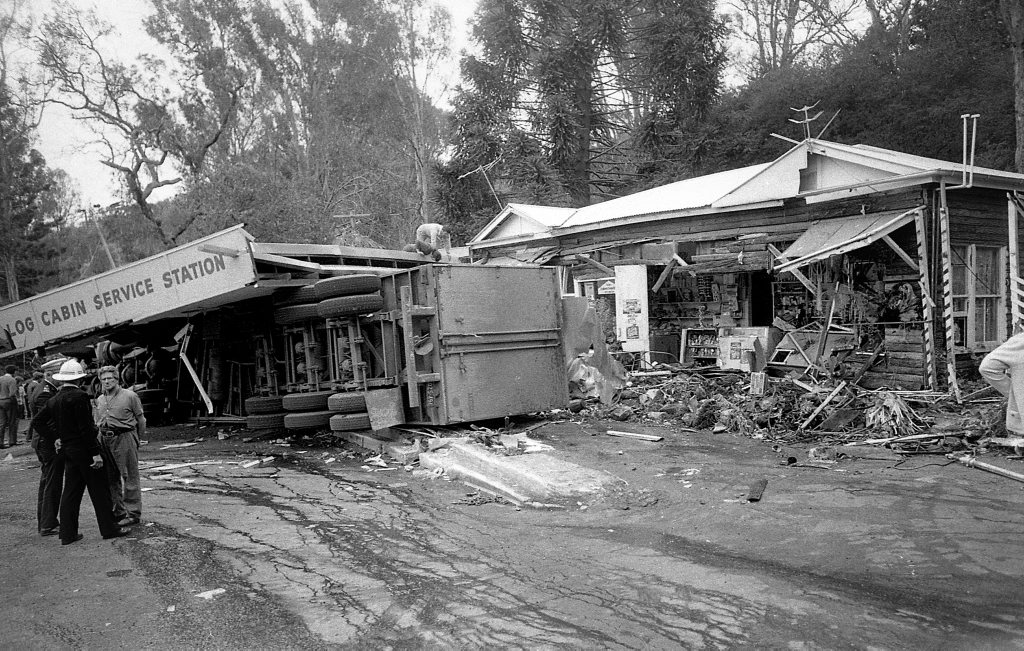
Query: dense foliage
{"x": 326, "y": 121}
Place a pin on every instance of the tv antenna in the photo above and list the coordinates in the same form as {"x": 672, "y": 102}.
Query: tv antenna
{"x": 806, "y": 110}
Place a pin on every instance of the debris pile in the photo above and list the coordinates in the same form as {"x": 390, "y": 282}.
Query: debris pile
{"x": 799, "y": 410}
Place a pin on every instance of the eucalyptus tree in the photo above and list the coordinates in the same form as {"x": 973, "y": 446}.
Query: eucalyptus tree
{"x": 333, "y": 125}
{"x": 24, "y": 176}
{"x": 574, "y": 101}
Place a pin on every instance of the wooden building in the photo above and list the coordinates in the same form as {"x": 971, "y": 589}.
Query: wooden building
{"x": 830, "y": 255}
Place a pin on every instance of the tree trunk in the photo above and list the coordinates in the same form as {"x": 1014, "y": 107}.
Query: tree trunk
{"x": 578, "y": 182}
{"x": 1013, "y": 16}
{"x": 10, "y": 271}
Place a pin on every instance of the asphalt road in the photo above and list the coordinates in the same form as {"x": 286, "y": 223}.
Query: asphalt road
{"x": 312, "y": 553}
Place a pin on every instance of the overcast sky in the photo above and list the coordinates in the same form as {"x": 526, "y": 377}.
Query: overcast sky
{"x": 69, "y": 144}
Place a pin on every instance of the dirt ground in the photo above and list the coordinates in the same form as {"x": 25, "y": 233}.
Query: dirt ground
{"x": 315, "y": 549}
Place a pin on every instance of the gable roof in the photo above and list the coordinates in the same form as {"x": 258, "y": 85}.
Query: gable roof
{"x": 816, "y": 170}
{"x": 520, "y": 220}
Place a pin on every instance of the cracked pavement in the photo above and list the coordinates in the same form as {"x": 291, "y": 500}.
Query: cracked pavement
{"x": 318, "y": 555}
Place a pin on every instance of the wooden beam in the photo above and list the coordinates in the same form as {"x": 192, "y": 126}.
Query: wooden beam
{"x": 828, "y": 399}
{"x": 219, "y": 250}
{"x": 804, "y": 280}
{"x": 947, "y": 294}
{"x": 866, "y": 366}
{"x": 664, "y": 275}
{"x": 928, "y": 304}
{"x": 595, "y": 264}
{"x": 900, "y": 252}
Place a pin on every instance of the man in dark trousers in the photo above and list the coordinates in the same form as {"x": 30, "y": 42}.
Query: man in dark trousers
{"x": 122, "y": 424}
{"x": 51, "y": 479}
{"x": 68, "y": 416}
{"x": 8, "y": 407}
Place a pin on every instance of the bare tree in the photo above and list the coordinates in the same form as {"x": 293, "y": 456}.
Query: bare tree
{"x": 893, "y": 18}
{"x": 131, "y": 114}
{"x": 785, "y": 32}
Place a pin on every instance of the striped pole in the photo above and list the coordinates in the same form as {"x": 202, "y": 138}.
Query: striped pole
{"x": 1016, "y": 304}
{"x": 927, "y": 302}
{"x": 947, "y": 294}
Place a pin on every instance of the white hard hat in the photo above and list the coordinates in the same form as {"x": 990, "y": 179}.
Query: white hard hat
{"x": 70, "y": 371}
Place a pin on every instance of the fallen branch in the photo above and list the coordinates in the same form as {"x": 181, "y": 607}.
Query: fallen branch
{"x": 897, "y": 439}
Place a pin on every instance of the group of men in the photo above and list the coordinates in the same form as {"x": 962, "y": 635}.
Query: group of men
{"x": 85, "y": 447}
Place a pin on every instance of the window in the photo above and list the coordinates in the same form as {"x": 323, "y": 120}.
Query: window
{"x": 978, "y": 296}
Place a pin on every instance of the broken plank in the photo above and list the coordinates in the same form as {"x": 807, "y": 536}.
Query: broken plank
{"x": 828, "y": 399}
{"x": 756, "y": 490}
{"x": 635, "y": 435}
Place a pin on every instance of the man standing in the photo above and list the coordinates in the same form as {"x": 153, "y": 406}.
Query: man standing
{"x": 1003, "y": 368}
{"x": 122, "y": 425}
{"x": 8, "y": 408}
{"x": 68, "y": 416}
{"x": 30, "y": 390}
{"x": 51, "y": 479}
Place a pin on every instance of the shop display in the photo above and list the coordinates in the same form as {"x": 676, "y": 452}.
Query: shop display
{"x": 700, "y": 346}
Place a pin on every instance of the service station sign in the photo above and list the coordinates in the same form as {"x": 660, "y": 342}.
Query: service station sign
{"x": 164, "y": 283}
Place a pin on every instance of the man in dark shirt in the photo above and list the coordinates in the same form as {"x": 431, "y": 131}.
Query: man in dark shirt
{"x": 51, "y": 479}
{"x": 68, "y": 416}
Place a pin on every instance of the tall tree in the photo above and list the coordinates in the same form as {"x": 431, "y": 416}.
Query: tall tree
{"x": 1013, "y": 18}
{"x": 784, "y": 33}
{"x": 23, "y": 172}
{"x": 588, "y": 90}
{"x": 333, "y": 125}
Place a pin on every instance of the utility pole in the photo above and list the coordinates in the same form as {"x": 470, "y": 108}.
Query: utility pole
{"x": 91, "y": 215}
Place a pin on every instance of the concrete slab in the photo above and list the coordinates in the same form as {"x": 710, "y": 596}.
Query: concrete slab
{"x": 533, "y": 479}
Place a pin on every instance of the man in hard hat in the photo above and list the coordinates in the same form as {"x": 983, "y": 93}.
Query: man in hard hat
{"x": 68, "y": 416}
{"x": 51, "y": 479}
{"x": 122, "y": 425}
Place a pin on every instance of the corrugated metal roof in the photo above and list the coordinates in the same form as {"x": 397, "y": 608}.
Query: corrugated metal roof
{"x": 828, "y": 237}
{"x": 547, "y": 215}
{"x": 681, "y": 195}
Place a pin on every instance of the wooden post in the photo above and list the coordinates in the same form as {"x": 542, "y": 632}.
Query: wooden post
{"x": 927, "y": 302}
{"x": 1016, "y": 308}
{"x": 947, "y": 293}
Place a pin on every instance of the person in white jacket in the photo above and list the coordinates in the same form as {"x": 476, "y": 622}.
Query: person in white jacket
{"x": 1003, "y": 368}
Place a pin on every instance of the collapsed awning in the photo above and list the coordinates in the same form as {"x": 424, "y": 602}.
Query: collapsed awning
{"x": 828, "y": 237}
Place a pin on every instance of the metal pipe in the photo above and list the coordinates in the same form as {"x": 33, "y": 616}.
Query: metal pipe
{"x": 963, "y": 156}
{"x": 974, "y": 145}
{"x": 971, "y": 462}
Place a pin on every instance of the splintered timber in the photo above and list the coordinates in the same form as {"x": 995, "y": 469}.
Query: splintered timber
{"x": 123, "y": 293}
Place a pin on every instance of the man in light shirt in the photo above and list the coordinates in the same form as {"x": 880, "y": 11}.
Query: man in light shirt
{"x": 8, "y": 408}
{"x": 122, "y": 424}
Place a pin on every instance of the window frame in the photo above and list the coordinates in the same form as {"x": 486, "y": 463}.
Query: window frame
{"x": 969, "y": 317}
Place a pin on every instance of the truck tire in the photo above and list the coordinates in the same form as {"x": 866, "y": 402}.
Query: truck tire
{"x": 151, "y": 396}
{"x": 346, "y": 286}
{"x": 349, "y": 422}
{"x": 296, "y": 296}
{"x": 347, "y": 402}
{"x": 263, "y": 405}
{"x": 295, "y": 314}
{"x": 307, "y": 420}
{"x": 315, "y": 401}
{"x": 349, "y": 305}
{"x": 265, "y": 421}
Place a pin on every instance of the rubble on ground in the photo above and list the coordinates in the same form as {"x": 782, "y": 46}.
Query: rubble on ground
{"x": 798, "y": 410}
